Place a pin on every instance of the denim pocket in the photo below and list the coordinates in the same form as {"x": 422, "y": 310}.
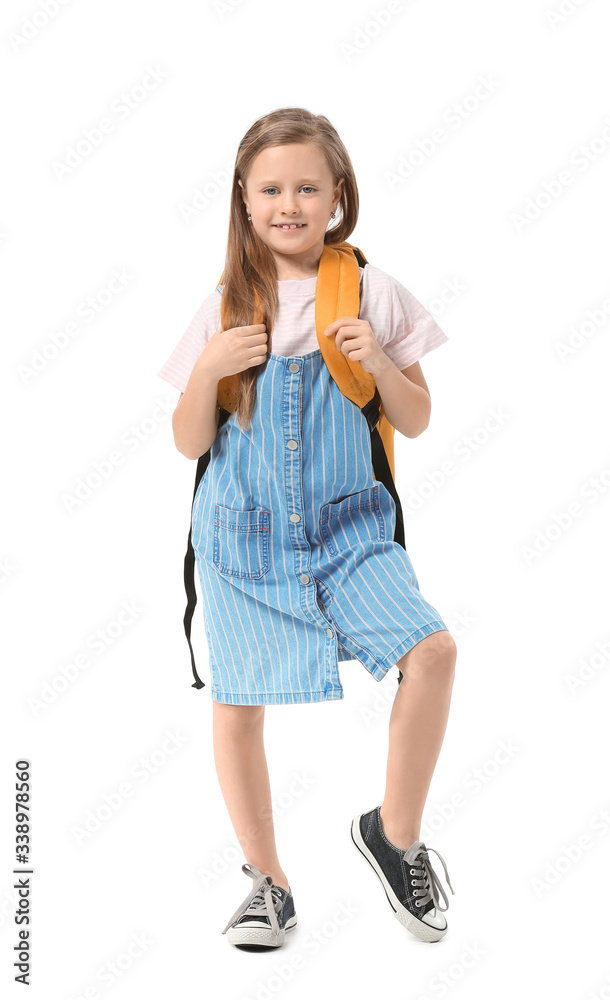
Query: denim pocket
{"x": 241, "y": 542}
{"x": 354, "y": 521}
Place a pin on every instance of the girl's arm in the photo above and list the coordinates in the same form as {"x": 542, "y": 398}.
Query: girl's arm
{"x": 195, "y": 418}
{"x": 405, "y": 397}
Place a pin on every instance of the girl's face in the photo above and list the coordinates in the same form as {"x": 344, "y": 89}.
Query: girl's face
{"x": 289, "y": 185}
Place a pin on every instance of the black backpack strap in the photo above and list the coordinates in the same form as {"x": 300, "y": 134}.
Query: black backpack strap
{"x": 189, "y": 558}
{"x": 189, "y": 572}
{"x": 381, "y": 466}
{"x": 359, "y": 257}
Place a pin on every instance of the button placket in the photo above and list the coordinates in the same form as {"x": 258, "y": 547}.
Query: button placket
{"x": 294, "y": 475}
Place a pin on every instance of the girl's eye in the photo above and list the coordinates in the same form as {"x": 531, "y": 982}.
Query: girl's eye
{"x": 309, "y": 186}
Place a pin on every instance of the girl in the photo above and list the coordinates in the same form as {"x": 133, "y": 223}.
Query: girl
{"x": 291, "y": 531}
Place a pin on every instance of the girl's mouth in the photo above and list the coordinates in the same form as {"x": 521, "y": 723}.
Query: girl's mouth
{"x": 290, "y": 228}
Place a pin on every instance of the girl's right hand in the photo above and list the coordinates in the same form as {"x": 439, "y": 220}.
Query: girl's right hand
{"x": 231, "y": 351}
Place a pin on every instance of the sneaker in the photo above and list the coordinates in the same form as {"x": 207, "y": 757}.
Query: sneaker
{"x": 407, "y": 876}
{"x": 265, "y": 914}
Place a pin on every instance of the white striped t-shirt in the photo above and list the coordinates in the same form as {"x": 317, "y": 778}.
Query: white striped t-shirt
{"x": 402, "y": 327}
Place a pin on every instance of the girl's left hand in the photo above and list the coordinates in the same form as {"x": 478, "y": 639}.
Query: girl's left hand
{"x": 357, "y": 342}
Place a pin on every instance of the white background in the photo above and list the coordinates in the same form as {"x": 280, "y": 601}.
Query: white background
{"x": 526, "y": 598}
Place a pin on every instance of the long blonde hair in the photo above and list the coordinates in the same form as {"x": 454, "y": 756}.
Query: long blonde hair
{"x": 249, "y": 264}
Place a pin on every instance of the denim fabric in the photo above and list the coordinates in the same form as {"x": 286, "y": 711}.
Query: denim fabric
{"x": 287, "y": 911}
{"x": 294, "y": 547}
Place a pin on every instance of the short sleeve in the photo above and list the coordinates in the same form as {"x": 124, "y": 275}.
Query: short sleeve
{"x": 178, "y": 367}
{"x": 413, "y": 331}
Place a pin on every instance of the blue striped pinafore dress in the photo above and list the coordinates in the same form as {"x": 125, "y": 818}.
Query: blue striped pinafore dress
{"x": 293, "y": 541}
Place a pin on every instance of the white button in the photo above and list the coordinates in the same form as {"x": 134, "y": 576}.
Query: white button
{"x": 329, "y": 633}
{"x": 293, "y": 367}
{"x": 292, "y": 445}
{"x": 304, "y": 578}
{"x": 295, "y": 517}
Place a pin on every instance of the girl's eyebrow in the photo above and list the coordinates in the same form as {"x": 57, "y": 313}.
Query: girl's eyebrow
{"x": 308, "y": 180}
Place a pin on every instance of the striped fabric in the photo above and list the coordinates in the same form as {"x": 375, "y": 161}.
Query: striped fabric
{"x": 402, "y": 327}
{"x": 293, "y": 536}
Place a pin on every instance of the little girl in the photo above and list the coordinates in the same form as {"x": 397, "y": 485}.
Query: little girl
{"x": 292, "y": 533}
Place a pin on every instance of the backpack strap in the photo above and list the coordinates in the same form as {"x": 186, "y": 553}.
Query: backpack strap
{"x": 189, "y": 573}
{"x": 381, "y": 466}
{"x": 189, "y": 559}
{"x": 379, "y": 458}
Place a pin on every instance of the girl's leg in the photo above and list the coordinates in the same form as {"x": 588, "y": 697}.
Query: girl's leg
{"x": 417, "y": 727}
{"x": 241, "y": 766}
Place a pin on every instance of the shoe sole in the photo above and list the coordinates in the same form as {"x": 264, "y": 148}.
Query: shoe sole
{"x": 417, "y": 927}
{"x": 262, "y": 936}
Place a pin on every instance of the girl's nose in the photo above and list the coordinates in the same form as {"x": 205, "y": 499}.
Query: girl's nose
{"x": 290, "y": 207}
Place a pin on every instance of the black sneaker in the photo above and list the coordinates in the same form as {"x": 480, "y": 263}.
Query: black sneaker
{"x": 408, "y": 878}
{"x": 265, "y": 914}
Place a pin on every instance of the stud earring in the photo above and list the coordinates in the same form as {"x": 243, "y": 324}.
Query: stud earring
{"x": 249, "y": 218}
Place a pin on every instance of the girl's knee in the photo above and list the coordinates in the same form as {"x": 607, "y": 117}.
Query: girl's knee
{"x": 436, "y": 652}
{"x": 240, "y": 717}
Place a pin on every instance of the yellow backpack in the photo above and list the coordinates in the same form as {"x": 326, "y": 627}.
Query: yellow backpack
{"x": 338, "y": 291}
